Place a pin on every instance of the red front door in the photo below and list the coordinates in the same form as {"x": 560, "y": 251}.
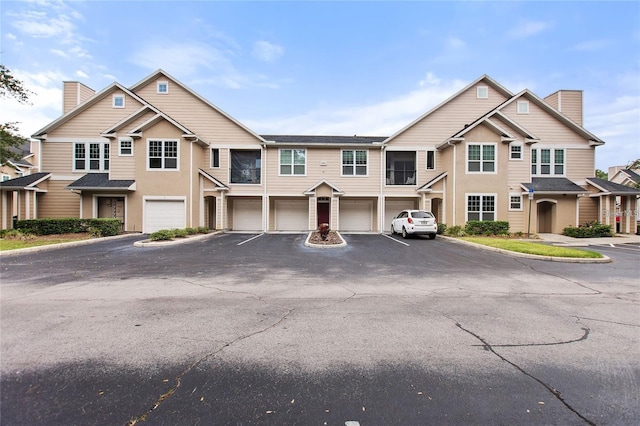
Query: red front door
{"x": 323, "y": 212}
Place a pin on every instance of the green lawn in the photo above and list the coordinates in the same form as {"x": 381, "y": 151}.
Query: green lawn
{"x": 13, "y": 244}
{"x": 533, "y": 248}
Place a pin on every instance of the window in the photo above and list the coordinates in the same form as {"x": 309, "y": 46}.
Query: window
{"x": 481, "y": 207}
{"x": 293, "y": 162}
{"x": 431, "y": 159}
{"x": 482, "y": 92}
{"x": 523, "y": 107}
{"x": 354, "y": 162}
{"x": 401, "y": 168}
{"x": 515, "y": 201}
{"x": 125, "y": 147}
{"x": 163, "y": 154}
{"x": 5, "y": 178}
{"x": 215, "y": 158}
{"x": 481, "y": 158}
{"x": 118, "y": 101}
{"x": 163, "y": 87}
{"x": 515, "y": 152}
{"x": 91, "y": 156}
{"x": 245, "y": 166}
{"x": 547, "y": 162}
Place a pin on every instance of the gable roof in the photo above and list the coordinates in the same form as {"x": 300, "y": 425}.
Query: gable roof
{"x": 427, "y": 186}
{"x": 334, "y": 188}
{"x": 612, "y": 188}
{"x": 635, "y": 177}
{"x": 98, "y": 181}
{"x": 484, "y": 78}
{"x": 25, "y": 182}
{"x": 161, "y": 73}
{"x": 215, "y": 181}
{"x": 323, "y": 140}
{"x": 553, "y": 185}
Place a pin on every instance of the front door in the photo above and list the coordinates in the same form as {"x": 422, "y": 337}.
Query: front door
{"x": 111, "y": 207}
{"x": 545, "y": 217}
{"x": 324, "y": 207}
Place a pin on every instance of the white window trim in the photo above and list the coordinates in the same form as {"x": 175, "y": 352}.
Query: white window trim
{"x": 482, "y": 92}
{"x": 158, "y": 84}
{"x": 521, "y": 151}
{"x": 481, "y": 195}
{"x": 426, "y": 157}
{"x": 495, "y": 159}
{"x": 292, "y": 163}
{"x": 4, "y": 175}
{"x": 120, "y": 140}
{"x": 354, "y": 175}
{"x": 552, "y": 164}
{"x": 522, "y": 107}
{"x": 516, "y": 194}
{"x": 113, "y": 101}
{"x": 163, "y": 169}
{"x": 211, "y": 158}
{"x": 87, "y": 159}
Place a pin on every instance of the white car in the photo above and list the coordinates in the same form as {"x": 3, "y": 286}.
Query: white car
{"x": 415, "y": 222}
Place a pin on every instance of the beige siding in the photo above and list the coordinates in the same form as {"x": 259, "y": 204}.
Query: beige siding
{"x": 588, "y": 209}
{"x": 570, "y": 104}
{"x": 580, "y": 163}
{"x": 552, "y": 99}
{"x": 57, "y": 158}
{"x": 58, "y": 201}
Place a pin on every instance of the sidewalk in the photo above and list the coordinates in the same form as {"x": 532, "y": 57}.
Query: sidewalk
{"x": 562, "y": 240}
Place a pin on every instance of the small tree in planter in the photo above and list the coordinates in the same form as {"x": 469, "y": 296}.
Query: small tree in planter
{"x": 324, "y": 229}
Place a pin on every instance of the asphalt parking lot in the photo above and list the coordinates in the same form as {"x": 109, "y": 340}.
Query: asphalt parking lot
{"x": 259, "y": 329}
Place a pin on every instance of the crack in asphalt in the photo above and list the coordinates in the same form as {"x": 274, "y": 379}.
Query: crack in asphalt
{"x": 178, "y": 380}
{"x": 607, "y": 321}
{"x": 584, "y": 337}
{"x": 555, "y": 392}
{"x": 595, "y": 292}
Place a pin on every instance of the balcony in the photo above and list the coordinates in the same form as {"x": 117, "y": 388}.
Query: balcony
{"x": 245, "y": 166}
{"x": 401, "y": 168}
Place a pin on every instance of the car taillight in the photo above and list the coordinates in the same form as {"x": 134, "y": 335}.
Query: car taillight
{"x": 409, "y": 220}
{"x": 435, "y": 220}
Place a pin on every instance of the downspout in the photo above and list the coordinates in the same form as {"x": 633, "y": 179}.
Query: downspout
{"x": 381, "y": 200}
{"x": 190, "y": 184}
{"x": 454, "y": 181}
{"x": 265, "y": 199}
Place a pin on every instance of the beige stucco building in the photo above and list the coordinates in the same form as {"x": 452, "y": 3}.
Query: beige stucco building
{"x": 158, "y": 155}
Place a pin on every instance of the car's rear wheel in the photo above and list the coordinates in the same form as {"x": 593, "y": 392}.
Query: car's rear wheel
{"x": 432, "y": 236}
{"x": 393, "y": 230}
{"x": 404, "y": 232}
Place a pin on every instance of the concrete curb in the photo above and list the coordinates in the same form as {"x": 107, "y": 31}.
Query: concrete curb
{"x": 188, "y": 239}
{"x": 62, "y": 245}
{"x": 324, "y": 246}
{"x": 604, "y": 259}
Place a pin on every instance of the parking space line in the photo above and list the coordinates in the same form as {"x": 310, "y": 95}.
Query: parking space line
{"x": 397, "y": 241}
{"x": 250, "y": 239}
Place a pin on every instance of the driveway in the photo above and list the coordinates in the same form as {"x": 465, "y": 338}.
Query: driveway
{"x": 232, "y": 329}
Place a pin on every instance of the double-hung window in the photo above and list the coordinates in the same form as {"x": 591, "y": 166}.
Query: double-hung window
{"x": 547, "y": 162}
{"x": 293, "y": 162}
{"x": 481, "y": 207}
{"x": 163, "y": 154}
{"x": 91, "y": 156}
{"x": 354, "y": 162}
{"x": 515, "y": 152}
{"x": 125, "y": 147}
{"x": 481, "y": 158}
{"x": 515, "y": 202}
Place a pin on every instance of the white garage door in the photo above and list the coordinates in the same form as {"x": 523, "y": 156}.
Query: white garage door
{"x": 163, "y": 214}
{"x": 356, "y": 215}
{"x": 292, "y": 215}
{"x": 247, "y": 215}
{"x": 392, "y": 208}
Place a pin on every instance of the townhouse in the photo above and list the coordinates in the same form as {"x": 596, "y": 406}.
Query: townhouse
{"x": 158, "y": 155}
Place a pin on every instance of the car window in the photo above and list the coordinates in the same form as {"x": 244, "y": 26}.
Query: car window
{"x": 421, "y": 215}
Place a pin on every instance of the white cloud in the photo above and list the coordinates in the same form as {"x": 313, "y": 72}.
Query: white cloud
{"x": 82, "y": 74}
{"x": 38, "y": 23}
{"x": 10, "y": 36}
{"x": 266, "y": 51}
{"x": 528, "y": 29}
{"x": 455, "y": 43}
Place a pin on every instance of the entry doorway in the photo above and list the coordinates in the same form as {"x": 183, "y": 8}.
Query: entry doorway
{"x": 545, "y": 217}
{"x": 111, "y": 207}
{"x": 324, "y": 210}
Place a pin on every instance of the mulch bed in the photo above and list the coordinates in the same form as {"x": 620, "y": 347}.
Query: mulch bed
{"x": 332, "y": 238}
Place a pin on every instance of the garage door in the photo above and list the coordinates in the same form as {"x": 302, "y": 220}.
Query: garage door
{"x": 292, "y": 215}
{"x": 356, "y": 215}
{"x": 392, "y": 208}
{"x": 247, "y": 215}
{"x": 163, "y": 214}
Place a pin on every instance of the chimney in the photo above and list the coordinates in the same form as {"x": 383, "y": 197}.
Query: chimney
{"x": 73, "y": 94}
{"x": 568, "y": 102}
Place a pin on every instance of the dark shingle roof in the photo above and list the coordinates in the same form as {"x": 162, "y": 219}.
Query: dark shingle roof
{"x": 632, "y": 175}
{"x": 99, "y": 181}
{"x": 321, "y": 140}
{"x": 23, "y": 181}
{"x": 613, "y": 188}
{"x": 553, "y": 184}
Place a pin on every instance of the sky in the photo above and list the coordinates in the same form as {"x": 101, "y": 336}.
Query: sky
{"x": 333, "y": 68}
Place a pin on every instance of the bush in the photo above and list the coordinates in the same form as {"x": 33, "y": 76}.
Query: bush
{"x": 202, "y": 230}
{"x": 191, "y": 231}
{"x": 486, "y": 227}
{"x": 442, "y": 228}
{"x": 589, "y": 230}
{"x": 103, "y": 227}
{"x": 14, "y": 234}
{"x": 162, "y": 235}
{"x": 454, "y": 231}
{"x": 179, "y": 233}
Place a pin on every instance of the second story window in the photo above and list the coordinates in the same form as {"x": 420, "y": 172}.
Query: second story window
{"x": 293, "y": 162}
{"x": 163, "y": 87}
{"x": 118, "y": 101}
{"x": 125, "y": 147}
{"x": 515, "y": 152}
{"x": 481, "y": 158}
{"x": 547, "y": 162}
{"x": 215, "y": 158}
{"x": 431, "y": 159}
{"x": 91, "y": 156}
{"x": 246, "y": 166}
{"x": 354, "y": 162}
{"x": 401, "y": 168}
{"x": 163, "y": 154}
{"x": 482, "y": 92}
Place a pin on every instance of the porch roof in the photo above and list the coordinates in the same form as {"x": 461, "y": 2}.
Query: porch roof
{"x": 24, "y": 182}
{"x": 612, "y": 188}
{"x": 101, "y": 181}
{"x": 553, "y": 185}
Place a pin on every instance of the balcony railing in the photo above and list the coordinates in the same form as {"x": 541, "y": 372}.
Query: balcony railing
{"x": 247, "y": 175}
{"x": 400, "y": 177}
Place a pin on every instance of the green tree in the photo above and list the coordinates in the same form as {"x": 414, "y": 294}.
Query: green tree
{"x": 602, "y": 175}
{"x": 634, "y": 165}
{"x": 10, "y": 139}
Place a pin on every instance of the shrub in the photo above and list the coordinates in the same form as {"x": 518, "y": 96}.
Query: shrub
{"x": 486, "y": 227}
{"x": 104, "y": 227}
{"x": 589, "y": 230}
{"x": 191, "y": 231}
{"x": 179, "y": 233}
{"x": 442, "y": 228}
{"x": 14, "y": 234}
{"x": 162, "y": 235}
{"x": 454, "y": 231}
{"x": 203, "y": 230}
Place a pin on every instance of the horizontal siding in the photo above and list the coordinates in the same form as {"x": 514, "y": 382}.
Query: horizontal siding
{"x": 57, "y": 157}
{"x": 570, "y": 104}
{"x": 552, "y": 100}
{"x": 58, "y": 201}
{"x": 588, "y": 210}
{"x": 69, "y": 95}
{"x": 580, "y": 163}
